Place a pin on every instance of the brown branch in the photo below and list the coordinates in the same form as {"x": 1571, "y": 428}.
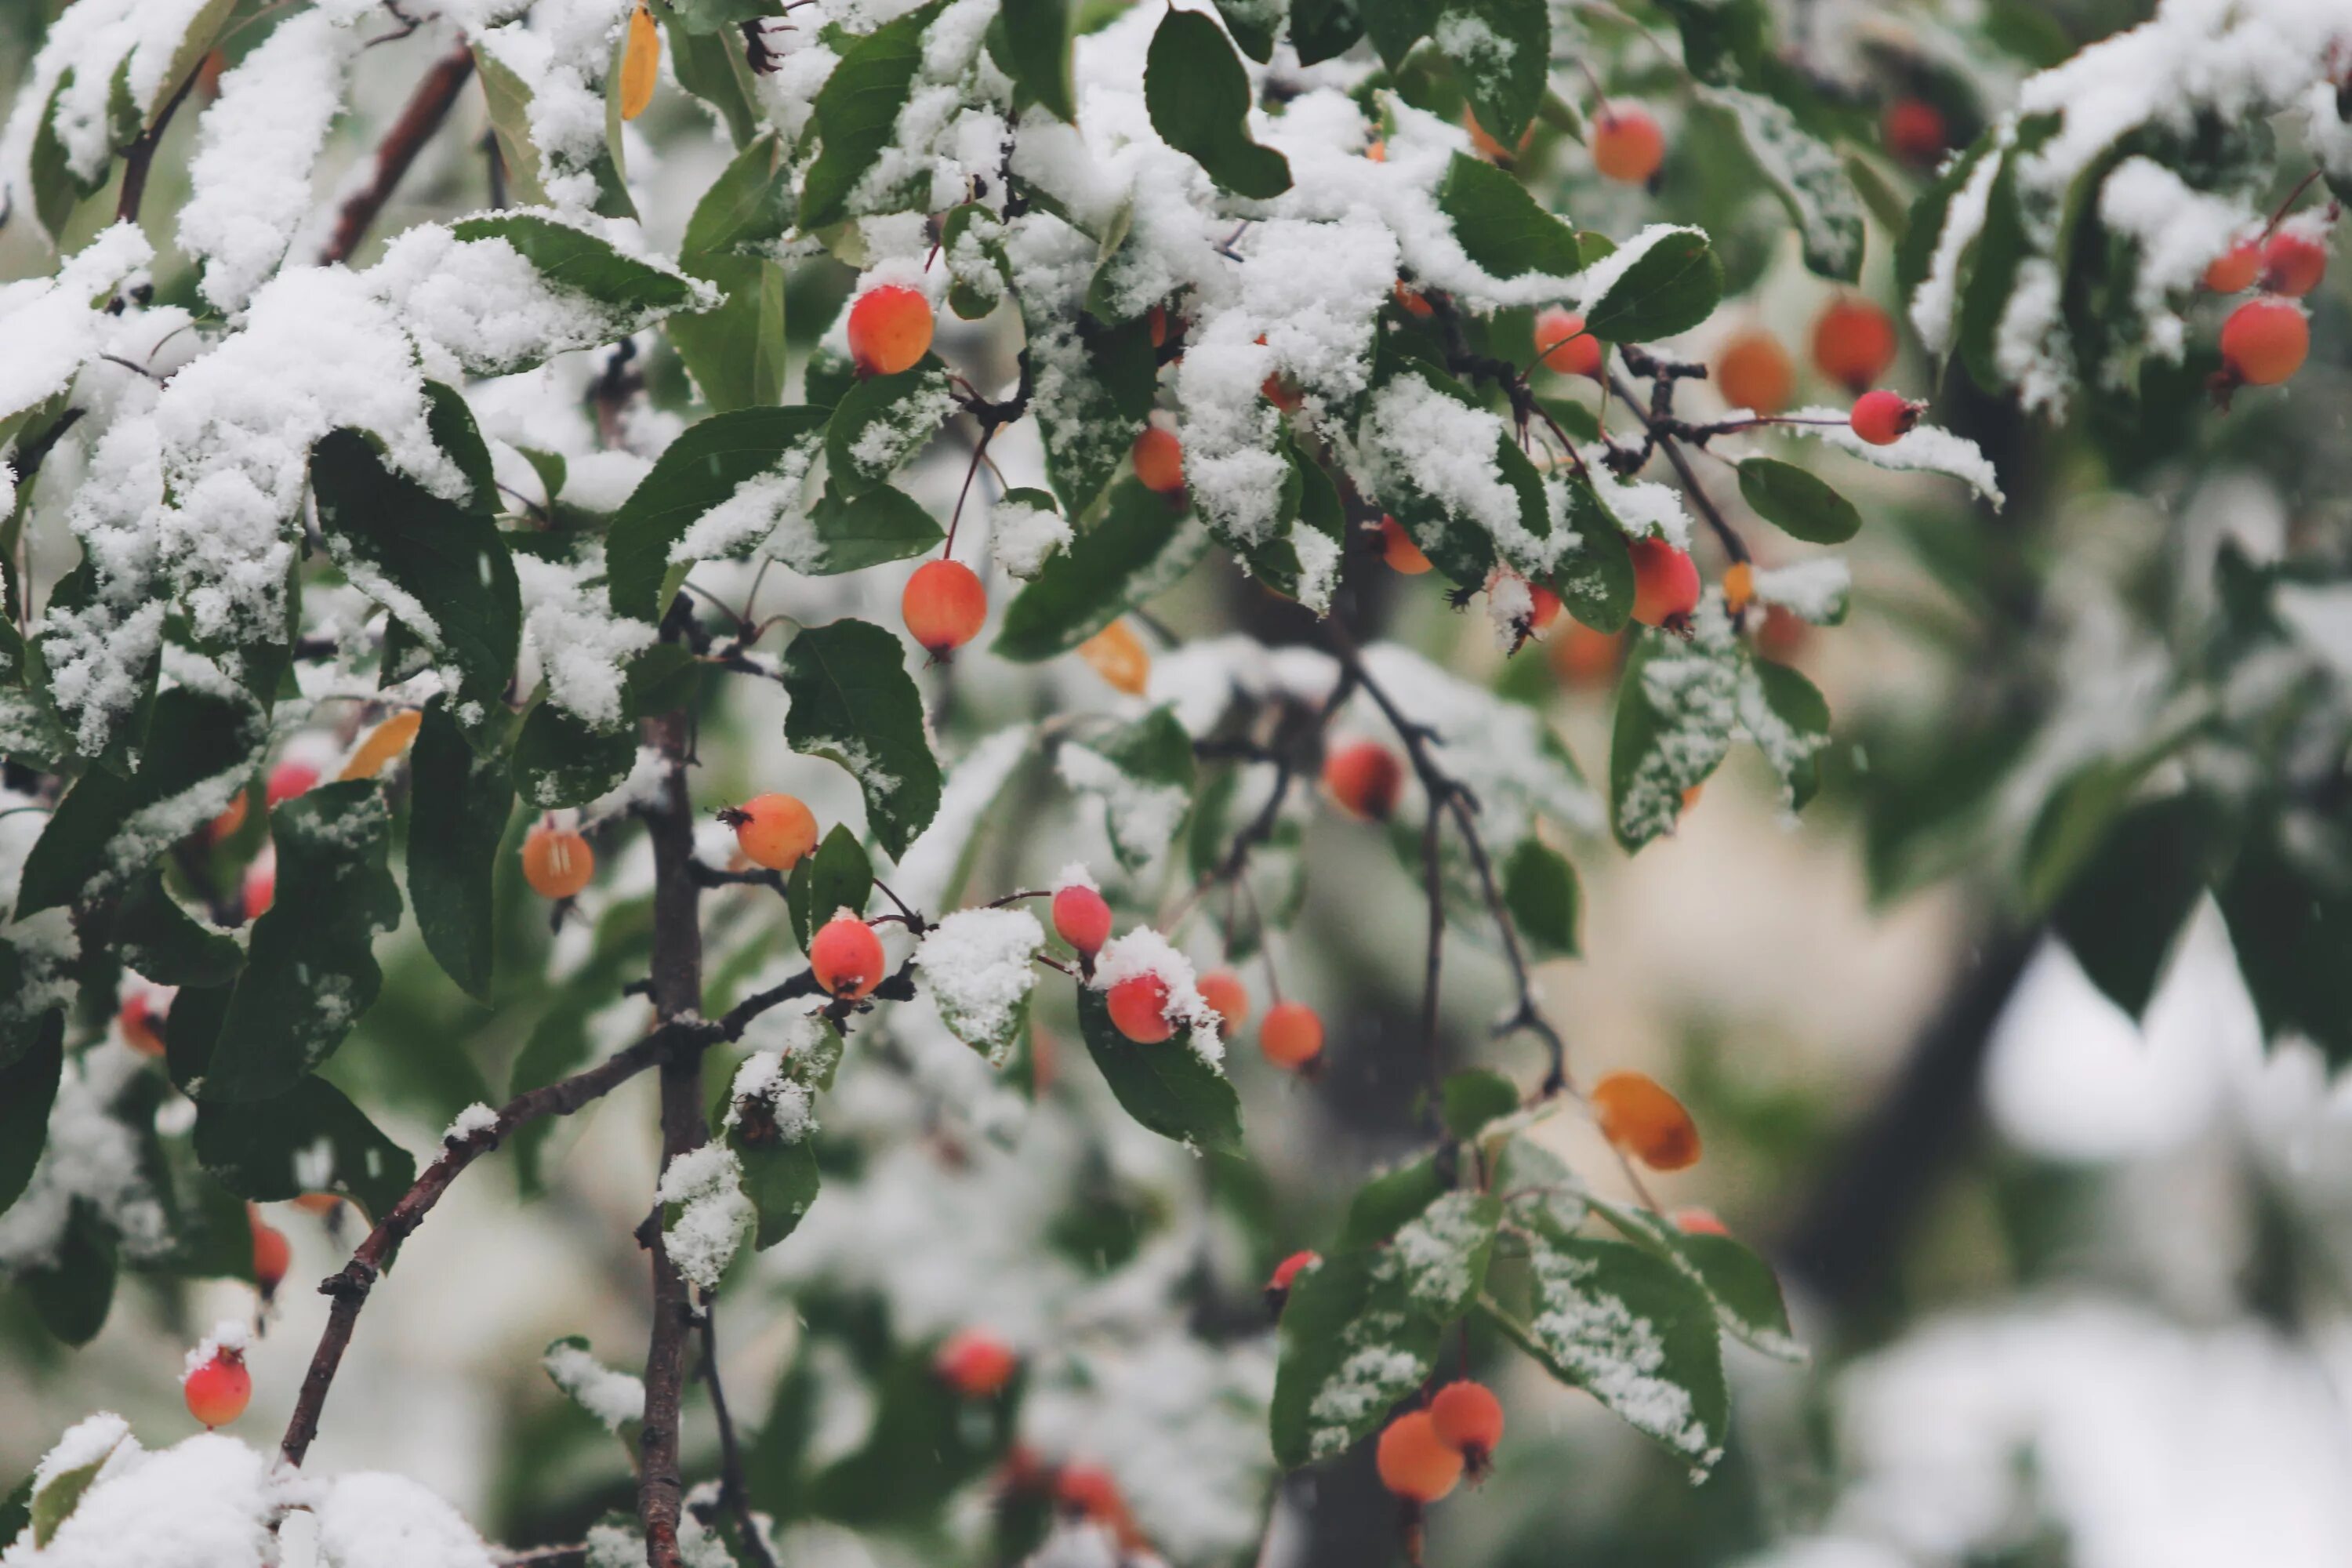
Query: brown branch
{"x": 142, "y": 153}
{"x": 427, "y": 106}
{"x": 734, "y": 1492}
{"x": 1733, "y": 545}
{"x": 678, "y": 994}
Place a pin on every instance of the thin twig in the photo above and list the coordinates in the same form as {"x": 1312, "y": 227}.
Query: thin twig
{"x": 141, "y": 152}
{"x": 427, "y": 106}
{"x": 734, "y": 1491}
{"x": 1733, "y": 545}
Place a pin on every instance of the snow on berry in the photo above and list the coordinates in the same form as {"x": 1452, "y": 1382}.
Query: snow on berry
{"x": 1144, "y": 951}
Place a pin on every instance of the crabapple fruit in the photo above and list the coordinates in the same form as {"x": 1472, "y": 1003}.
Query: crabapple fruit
{"x": 1915, "y": 132}
{"x": 975, "y": 1363}
{"x": 773, "y": 831}
{"x": 1228, "y": 998}
{"x": 1291, "y": 1036}
{"x": 1081, "y": 918}
{"x": 1854, "y": 342}
{"x": 889, "y": 329}
{"x": 1584, "y": 657}
{"x": 272, "y": 1253}
{"x": 1286, "y": 1272}
{"x": 2292, "y": 263}
{"x": 142, "y": 1025}
{"x": 1562, "y": 344}
{"x": 1399, "y": 550}
{"x": 1159, "y": 459}
{"x": 1119, "y": 655}
{"x": 1414, "y": 1462}
{"x": 218, "y": 1391}
{"x": 1365, "y": 778}
{"x": 1627, "y": 145}
{"x": 1139, "y": 1009}
{"x": 1469, "y": 1418}
{"x": 846, "y": 957}
{"x": 1636, "y": 1114}
{"x": 1665, "y": 582}
{"x": 1752, "y": 371}
{"x": 2264, "y": 342}
{"x": 556, "y": 862}
{"x": 943, "y": 607}
{"x": 1884, "y": 418}
{"x": 2235, "y": 271}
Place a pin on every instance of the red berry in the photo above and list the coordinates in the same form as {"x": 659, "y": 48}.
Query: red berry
{"x": 2264, "y": 342}
{"x": 1088, "y": 1491}
{"x": 1159, "y": 460}
{"x": 1291, "y": 1036}
{"x": 2234, "y": 271}
{"x": 288, "y": 779}
{"x": 943, "y": 607}
{"x": 232, "y": 817}
{"x": 272, "y": 1253}
{"x": 1665, "y": 582}
{"x": 556, "y": 862}
{"x": 846, "y": 957}
{"x": 1081, "y": 918}
{"x": 1286, "y": 1272}
{"x": 142, "y": 1026}
{"x": 1365, "y": 778}
{"x": 975, "y": 1363}
{"x": 1562, "y": 344}
{"x": 2293, "y": 263}
{"x": 1915, "y": 130}
{"x": 1139, "y": 1009}
{"x": 1882, "y": 417}
{"x": 1636, "y": 1113}
{"x": 889, "y": 329}
{"x": 1398, "y": 549}
{"x": 1627, "y": 145}
{"x": 1697, "y": 1221}
{"x": 218, "y": 1391}
{"x": 1413, "y": 1463}
{"x": 773, "y": 830}
{"x": 1228, "y": 998}
{"x": 1752, "y": 371}
{"x": 1468, "y": 1418}
{"x": 1854, "y": 342}
{"x": 1543, "y": 605}
{"x": 260, "y": 886}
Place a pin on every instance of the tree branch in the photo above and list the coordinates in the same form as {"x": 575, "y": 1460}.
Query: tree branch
{"x": 1733, "y": 545}
{"x": 142, "y": 153}
{"x": 427, "y": 106}
{"x": 734, "y": 1492}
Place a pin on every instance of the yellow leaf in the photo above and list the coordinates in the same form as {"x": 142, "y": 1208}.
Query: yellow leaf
{"x": 1117, "y": 655}
{"x": 383, "y": 743}
{"x": 641, "y": 65}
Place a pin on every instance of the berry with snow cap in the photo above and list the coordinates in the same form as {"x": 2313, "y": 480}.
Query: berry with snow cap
{"x": 1884, "y": 418}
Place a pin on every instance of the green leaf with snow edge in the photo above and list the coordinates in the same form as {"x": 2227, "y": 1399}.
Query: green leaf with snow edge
{"x": 1141, "y": 545}
{"x": 54, "y": 1498}
{"x": 28, "y": 1088}
{"x": 705, "y": 469}
{"x": 1677, "y": 704}
{"x": 1501, "y": 55}
{"x": 1595, "y": 580}
{"x": 853, "y": 701}
{"x": 1744, "y": 1293}
{"x": 1789, "y": 719}
{"x": 162, "y": 941}
{"x": 1351, "y": 1348}
{"x": 1922, "y": 450}
{"x": 560, "y": 761}
{"x": 1665, "y": 279}
{"x": 311, "y": 1139}
{"x": 1168, "y": 1088}
{"x": 856, "y": 113}
{"x": 1636, "y": 1333}
{"x": 778, "y": 1163}
{"x": 200, "y": 748}
{"x": 882, "y": 421}
{"x": 1199, "y": 98}
{"x": 309, "y": 970}
{"x": 573, "y": 260}
{"x": 1803, "y": 173}
{"x": 1797, "y": 503}
{"x": 1143, "y": 773}
{"x": 978, "y": 967}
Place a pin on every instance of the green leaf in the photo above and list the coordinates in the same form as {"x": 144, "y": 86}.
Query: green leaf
{"x": 1676, "y": 706}
{"x": 451, "y": 421}
{"x": 712, "y": 67}
{"x": 201, "y": 747}
{"x": 17, "y": 1510}
{"x": 1993, "y": 261}
{"x": 72, "y": 1292}
{"x": 560, "y": 761}
{"x": 1199, "y": 98}
{"x": 1168, "y": 1088}
{"x": 57, "y": 188}
{"x": 1796, "y": 502}
{"x": 837, "y": 877}
{"x": 1349, "y": 1349}
{"x": 2124, "y": 908}
{"x": 441, "y": 571}
{"x": 976, "y": 260}
{"x": 1915, "y": 254}
{"x": 848, "y": 533}
{"x": 2291, "y": 924}
{"x": 1790, "y": 723}
{"x": 1384, "y": 1204}
{"x": 857, "y": 113}
{"x": 746, "y": 210}
{"x": 1471, "y": 1099}
{"x": 1673, "y": 283}
{"x": 1149, "y": 786}
{"x": 1740, "y": 1285}
{"x": 882, "y": 421}
{"x": 1036, "y": 54}
{"x": 1637, "y": 1333}
{"x": 60, "y": 1492}
{"x": 1395, "y": 26}
{"x": 1091, "y": 407}
{"x": 699, "y": 470}
{"x": 28, "y": 1087}
{"x": 780, "y": 1176}
{"x": 1500, "y": 227}
{"x": 458, "y": 805}
{"x": 735, "y": 354}
{"x": 158, "y": 939}
{"x": 1324, "y": 29}
{"x": 853, "y": 701}
{"x": 1805, "y": 173}
{"x": 925, "y": 1443}
{"x": 1501, "y": 53}
{"x": 310, "y": 971}
{"x": 1540, "y": 889}
{"x": 585, "y": 263}
{"x": 1140, "y": 546}
{"x": 1722, "y": 39}
{"x": 1595, "y": 581}
{"x": 311, "y": 1139}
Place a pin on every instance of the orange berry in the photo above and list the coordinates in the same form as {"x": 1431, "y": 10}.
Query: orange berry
{"x": 1738, "y": 586}
{"x": 1486, "y": 146}
{"x": 1411, "y": 301}
{"x": 2234, "y": 271}
{"x": 1119, "y": 655}
{"x": 1088, "y": 1491}
{"x": 322, "y": 1204}
{"x": 1159, "y": 460}
{"x": 1365, "y": 778}
{"x": 1637, "y": 1114}
{"x": 1467, "y": 1416}
{"x": 975, "y": 1363}
{"x": 1398, "y": 549}
{"x": 1543, "y": 606}
{"x": 272, "y": 1253}
{"x": 1690, "y": 795}
{"x": 260, "y": 889}
{"x": 846, "y": 956}
{"x": 640, "y": 64}
{"x": 1915, "y": 132}
{"x": 1228, "y": 998}
{"x": 772, "y": 831}
{"x": 1562, "y": 344}
{"x": 1697, "y": 1221}
{"x": 889, "y": 329}
{"x": 1584, "y": 657}
{"x": 2264, "y": 342}
{"x": 1665, "y": 582}
{"x": 1082, "y": 918}
{"x": 1378, "y": 152}
{"x": 1882, "y": 417}
{"x": 1413, "y": 1462}
{"x": 556, "y": 862}
{"x": 2293, "y": 263}
{"x": 1627, "y": 145}
{"x": 1752, "y": 371}
{"x": 1854, "y": 341}
{"x": 226, "y": 825}
{"x": 1139, "y": 1009}
{"x": 1291, "y": 1036}
{"x": 943, "y": 607}
{"x": 384, "y": 743}
{"x": 142, "y": 1026}
{"x": 218, "y": 1391}
{"x": 1286, "y": 1272}
{"x": 1155, "y": 322}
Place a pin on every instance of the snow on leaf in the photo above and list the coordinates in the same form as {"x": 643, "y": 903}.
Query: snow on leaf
{"x": 977, "y": 965}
